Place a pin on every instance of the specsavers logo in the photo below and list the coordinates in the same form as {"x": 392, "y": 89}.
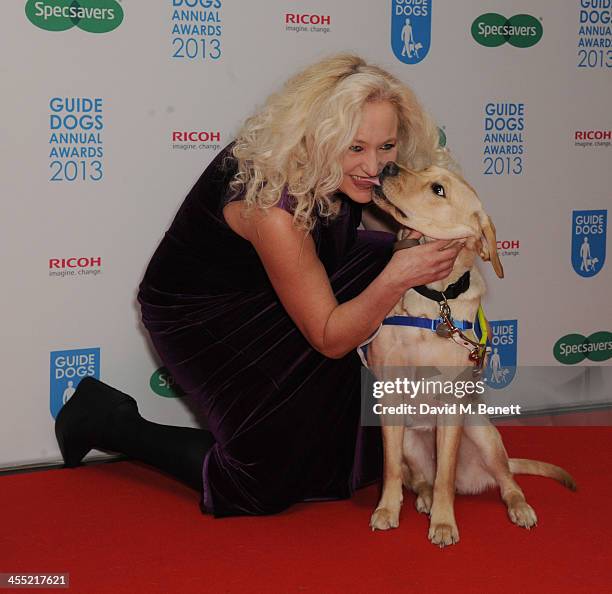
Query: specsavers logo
{"x": 93, "y": 16}
{"x": 521, "y": 30}
{"x": 573, "y": 348}
{"x": 442, "y": 137}
{"x": 163, "y": 384}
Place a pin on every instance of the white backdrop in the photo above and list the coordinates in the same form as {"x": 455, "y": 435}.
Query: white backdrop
{"x": 104, "y": 214}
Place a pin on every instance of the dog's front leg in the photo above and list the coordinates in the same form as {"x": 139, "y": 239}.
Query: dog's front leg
{"x": 442, "y": 525}
{"x": 386, "y": 515}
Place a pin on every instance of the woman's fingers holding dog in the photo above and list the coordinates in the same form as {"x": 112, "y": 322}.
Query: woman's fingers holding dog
{"x": 451, "y": 244}
{"x": 427, "y": 263}
{"x": 442, "y": 255}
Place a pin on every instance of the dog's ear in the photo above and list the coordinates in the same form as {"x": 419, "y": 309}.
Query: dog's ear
{"x": 488, "y": 247}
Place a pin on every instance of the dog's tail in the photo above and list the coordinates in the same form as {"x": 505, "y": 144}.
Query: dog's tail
{"x": 523, "y": 466}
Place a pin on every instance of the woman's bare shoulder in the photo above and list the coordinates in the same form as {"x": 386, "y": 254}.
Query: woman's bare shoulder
{"x": 273, "y": 222}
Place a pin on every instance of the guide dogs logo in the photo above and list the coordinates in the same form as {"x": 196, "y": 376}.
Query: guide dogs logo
{"x": 589, "y": 241}
{"x": 492, "y": 30}
{"x": 502, "y": 359}
{"x": 595, "y": 34}
{"x": 93, "y": 16}
{"x": 410, "y": 29}
{"x": 68, "y": 368}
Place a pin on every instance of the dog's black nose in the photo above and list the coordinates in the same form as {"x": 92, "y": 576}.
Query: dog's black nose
{"x": 389, "y": 170}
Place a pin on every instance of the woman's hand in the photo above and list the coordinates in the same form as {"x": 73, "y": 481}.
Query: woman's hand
{"x": 424, "y": 263}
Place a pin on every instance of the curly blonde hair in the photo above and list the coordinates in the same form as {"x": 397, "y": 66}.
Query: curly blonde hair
{"x": 297, "y": 140}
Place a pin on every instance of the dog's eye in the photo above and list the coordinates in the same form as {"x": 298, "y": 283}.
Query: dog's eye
{"x": 438, "y": 190}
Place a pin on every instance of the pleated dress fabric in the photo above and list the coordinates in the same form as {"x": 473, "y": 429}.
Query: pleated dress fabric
{"x": 286, "y": 419}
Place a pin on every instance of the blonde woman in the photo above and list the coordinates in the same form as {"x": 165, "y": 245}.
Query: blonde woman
{"x": 262, "y": 289}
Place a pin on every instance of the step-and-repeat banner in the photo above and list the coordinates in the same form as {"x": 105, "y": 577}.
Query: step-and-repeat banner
{"x": 111, "y": 109}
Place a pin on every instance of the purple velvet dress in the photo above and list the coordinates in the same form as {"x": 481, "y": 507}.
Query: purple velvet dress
{"x": 286, "y": 419}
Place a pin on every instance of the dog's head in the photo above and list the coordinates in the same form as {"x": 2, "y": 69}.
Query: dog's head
{"x": 440, "y": 205}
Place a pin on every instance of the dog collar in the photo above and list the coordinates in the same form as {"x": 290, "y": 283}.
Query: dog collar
{"x": 427, "y": 323}
{"x": 451, "y": 292}
{"x": 402, "y": 244}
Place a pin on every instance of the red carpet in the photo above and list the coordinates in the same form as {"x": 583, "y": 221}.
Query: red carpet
{"x": 121, "y": 527}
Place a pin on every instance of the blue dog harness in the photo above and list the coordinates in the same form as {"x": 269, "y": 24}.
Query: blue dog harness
{"x": 423, "y": 322}
{"x": 416, "y": 322}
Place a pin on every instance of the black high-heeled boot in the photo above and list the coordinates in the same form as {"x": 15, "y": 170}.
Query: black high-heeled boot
{"x": 80, "y": 423}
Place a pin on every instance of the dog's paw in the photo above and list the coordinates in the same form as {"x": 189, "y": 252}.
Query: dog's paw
{"x": 522, "y": 514}
{"x": 384, "y": 519}
{"x": 443, "y": 535}
{"x": 424, "y": 500}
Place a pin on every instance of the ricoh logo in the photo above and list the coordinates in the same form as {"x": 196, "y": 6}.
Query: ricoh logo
{"x": 502, "y": 360}
{"x": 189, "y": 140}
{"x": 595, "y": 34}
{"x": 410, "y": 29}
{"x": 589, "y": 230}
{"x": 93, "y": 16}
{"x": 592, "y": 138}
{"x": 574, "y": 348}
{"x": 508, "y": 247}
{"x": 197, "y": 29}
{"x": 75, "y": 267}
{"x": 305, "y": 22}
{"x": 68, "y": 368}
{"x": 493, "y": 30}
{"x": 504, "y": 126}
{"x": 76, "y": 125}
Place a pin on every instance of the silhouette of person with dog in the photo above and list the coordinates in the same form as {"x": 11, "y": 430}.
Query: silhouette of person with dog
{"x": 408, "y": 39}
{"x": 585, "y": 253}
{"x": 498, "y": 373}
{"x": 68, "y": 392}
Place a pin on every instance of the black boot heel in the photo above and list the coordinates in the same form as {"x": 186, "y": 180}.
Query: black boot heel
{"x": 81, "y": 421}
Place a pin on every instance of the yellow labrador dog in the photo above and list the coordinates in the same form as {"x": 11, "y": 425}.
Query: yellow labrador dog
{"x": 457, "y": 456}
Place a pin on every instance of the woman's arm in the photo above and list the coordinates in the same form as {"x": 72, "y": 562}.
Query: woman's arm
{"x": 301, "y": 282}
